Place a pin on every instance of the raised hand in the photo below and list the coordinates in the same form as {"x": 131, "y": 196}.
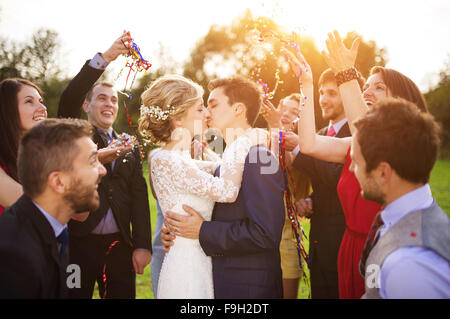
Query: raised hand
{"x": 119, "y": 47}
{"x": 291, "y": 140}
{"x": 299, "y": 66}
{"x": 108, "y": 155}
{"x": 271, "y": 114}
{"x": 338, "y": 57}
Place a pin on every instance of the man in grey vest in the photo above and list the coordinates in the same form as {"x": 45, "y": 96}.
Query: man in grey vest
{"x": 407, "y": 252}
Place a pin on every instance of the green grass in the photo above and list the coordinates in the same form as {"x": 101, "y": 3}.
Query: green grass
{"x": 440, "y": 186}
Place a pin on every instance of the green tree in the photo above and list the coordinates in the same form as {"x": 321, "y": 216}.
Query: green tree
{"x": 41, "y": 56}
{"x": 35, "y": 60}
{"x": 438, "y": 100}
{"x": 11, "y": 59}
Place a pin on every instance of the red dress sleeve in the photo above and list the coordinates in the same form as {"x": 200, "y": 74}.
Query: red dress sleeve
{"x": 359, "y": 212}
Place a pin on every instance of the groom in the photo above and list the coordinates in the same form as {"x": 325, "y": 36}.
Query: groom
{"x": 243, "y": 237}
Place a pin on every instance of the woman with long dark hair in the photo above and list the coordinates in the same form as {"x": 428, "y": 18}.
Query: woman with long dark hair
{"x": 21, "y": 107}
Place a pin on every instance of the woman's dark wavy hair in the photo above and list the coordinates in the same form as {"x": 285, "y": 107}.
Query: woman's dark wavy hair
{"x": 11, "y": 128}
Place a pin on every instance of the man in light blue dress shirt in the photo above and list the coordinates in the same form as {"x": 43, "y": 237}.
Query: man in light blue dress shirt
{"x": 393, "y": 151}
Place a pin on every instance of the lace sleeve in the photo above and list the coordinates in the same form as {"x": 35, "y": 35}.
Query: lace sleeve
{"x": 207, "y": 166}
{"x": 210, "y": 155}
{"x": 233, "y": 160}
{"x": 177, "y": 174}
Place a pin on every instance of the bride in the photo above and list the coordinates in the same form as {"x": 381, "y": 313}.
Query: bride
{"x": 172, "y": 112}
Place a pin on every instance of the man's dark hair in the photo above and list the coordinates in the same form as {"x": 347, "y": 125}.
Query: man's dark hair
{"x": 49, "y": 146}
{"x": 241, "y": 90}
{"x": 397, "y": 132}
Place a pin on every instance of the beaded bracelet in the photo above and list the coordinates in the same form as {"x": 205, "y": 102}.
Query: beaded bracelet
{"x": 346, "y": 75}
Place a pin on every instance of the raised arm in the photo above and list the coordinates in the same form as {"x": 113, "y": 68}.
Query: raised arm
{"x": 326, "y": 148}
{"x": 74, "y": 94}
{"x": 341, "y": 59}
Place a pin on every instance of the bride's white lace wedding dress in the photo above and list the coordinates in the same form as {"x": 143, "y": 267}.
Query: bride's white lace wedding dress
{"x": 186, "y": 271}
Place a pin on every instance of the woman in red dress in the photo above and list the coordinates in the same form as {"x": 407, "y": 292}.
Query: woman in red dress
{"x": 21, "y": 107}
{"x": 358, "y": 211}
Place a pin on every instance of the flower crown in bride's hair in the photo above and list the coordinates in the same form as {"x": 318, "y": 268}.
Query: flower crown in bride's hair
{"x": 156, "y": 112}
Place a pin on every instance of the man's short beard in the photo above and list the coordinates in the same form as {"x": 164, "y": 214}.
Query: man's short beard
{"x": 376, "y": 197}
{"x": 82, "y": 198}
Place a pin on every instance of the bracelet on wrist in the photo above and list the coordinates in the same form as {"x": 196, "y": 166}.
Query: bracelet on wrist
{"x": 346, "y": 75}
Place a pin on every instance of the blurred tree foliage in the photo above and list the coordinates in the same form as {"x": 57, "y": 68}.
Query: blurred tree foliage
{"x": 35, "y": 60}
{"x": 438, "y": 100}
{"x": 224, "y": 51}
{"x": 235, "y": 49}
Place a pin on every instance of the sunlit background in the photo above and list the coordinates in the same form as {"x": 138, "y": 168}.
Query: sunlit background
{"x": 410, "y": 36}
{"x": 415, "y": 33}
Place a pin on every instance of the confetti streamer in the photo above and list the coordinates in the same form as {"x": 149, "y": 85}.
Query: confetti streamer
{"x": 105, "y": 282}
{"x": 135, "y": 62}
{"x": 134, "y": 131}
{"x": 269, "y": 95}
{"x": 267, "y": 33}
{"x": 123, "y": 140}
{"x": 290, "y": 206}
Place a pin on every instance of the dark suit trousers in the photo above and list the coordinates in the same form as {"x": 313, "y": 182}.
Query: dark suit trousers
{"x": 89, "y": 252}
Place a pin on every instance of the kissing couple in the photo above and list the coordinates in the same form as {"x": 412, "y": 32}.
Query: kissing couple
{"x": 223, "y": 217}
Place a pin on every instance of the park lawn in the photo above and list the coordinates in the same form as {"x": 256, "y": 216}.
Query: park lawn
{"x": 440, "y": 186}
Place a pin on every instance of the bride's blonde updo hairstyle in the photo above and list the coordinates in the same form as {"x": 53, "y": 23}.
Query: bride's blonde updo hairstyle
{"x": 169, "y": 97}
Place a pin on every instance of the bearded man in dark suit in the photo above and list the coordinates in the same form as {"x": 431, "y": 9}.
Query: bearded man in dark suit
{"x": 59, "y": 170}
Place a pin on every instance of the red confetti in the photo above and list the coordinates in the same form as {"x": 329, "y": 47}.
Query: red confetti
{"x": 105, "y": 283}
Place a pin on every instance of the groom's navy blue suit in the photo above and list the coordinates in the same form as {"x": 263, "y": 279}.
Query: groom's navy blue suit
{"x": 243, "y": 237}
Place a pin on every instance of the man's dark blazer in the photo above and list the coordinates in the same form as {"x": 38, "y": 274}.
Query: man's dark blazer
{"x": 244, "y": 237}
{"x": 327, "y": 221}
{"x": 123, "y": 188}
{"x": 29, "y": 257}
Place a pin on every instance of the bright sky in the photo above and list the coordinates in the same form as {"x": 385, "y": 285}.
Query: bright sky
{"x": 415, "y": 33}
